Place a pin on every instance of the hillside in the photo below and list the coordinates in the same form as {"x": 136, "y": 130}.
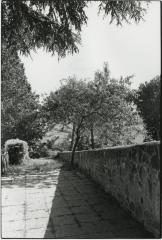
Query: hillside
{"x": 61, "y": 137}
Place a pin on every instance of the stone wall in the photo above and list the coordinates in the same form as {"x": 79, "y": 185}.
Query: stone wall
{"x": 131, "y": 174}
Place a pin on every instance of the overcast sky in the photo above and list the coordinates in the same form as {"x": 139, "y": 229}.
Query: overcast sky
{"x": 131, "y": 49}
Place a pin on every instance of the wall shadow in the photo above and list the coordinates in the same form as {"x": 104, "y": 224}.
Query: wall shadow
{"x": 81, "y": 209}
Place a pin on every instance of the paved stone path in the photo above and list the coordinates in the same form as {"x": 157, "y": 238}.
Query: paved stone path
{"x": 62, "y": 204}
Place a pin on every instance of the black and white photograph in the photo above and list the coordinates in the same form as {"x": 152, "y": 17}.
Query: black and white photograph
{"x": 80, "y": 119}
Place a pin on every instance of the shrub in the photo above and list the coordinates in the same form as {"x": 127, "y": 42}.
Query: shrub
{"x": 17, "y": 151}
{"x": 38, "y": 150}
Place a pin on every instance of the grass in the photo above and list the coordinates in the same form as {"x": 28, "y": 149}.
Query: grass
{"x": 33, "y": 166}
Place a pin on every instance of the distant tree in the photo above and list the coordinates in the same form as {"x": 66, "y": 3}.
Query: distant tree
{"x": 56, "y": 25}
{"x": 147, "y": 98}
{"x": 19, "y": 105}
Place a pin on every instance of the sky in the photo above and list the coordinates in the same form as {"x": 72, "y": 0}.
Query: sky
{"x": 133, "y": 49}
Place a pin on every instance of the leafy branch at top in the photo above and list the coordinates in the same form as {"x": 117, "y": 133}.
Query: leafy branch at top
{"x": 56, "y": 25}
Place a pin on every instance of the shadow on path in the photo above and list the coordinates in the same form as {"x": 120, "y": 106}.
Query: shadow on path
{"x": 80, "y": 209}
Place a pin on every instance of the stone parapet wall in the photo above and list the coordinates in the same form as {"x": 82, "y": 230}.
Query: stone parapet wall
{"x": 131, "y": 174}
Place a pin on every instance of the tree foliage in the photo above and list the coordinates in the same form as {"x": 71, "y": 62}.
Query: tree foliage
{"x": 56, "y": 25}
{"x": 98, "y": 111}
{"x": 117, "y": 122}
{"x": 72, "y": 104}
{"x": 120, "y": 11}
{"x": 147, "y": 98}
{"x": 20, "y": 106}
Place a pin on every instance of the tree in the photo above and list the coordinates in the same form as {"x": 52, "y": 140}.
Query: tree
{"x": 147, "y": 98}
{"x": 117, "y": 121}
{"x": 56, "y": 25}
{"x": 98, "y": 109}
{"x": 72, "y": 104}
{"x": 20, "y": 106}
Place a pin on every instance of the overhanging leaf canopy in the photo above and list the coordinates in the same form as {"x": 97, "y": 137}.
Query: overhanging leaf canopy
{"x": 56, "y": 24}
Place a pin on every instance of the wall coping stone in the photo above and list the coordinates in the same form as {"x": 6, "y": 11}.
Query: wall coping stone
{"x": 119, "y": 147}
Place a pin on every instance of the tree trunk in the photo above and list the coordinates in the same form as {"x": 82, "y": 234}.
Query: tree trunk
{"x": 73, "y": 151}
{"x": 92, "y": 138}
{"x": 76, "y": 141}
{"x": 72, "y": 138}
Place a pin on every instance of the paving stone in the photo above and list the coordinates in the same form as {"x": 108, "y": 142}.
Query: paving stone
{"x": 76, "y": 197}
{"x": 31, "y": 197}
{"x": 14, "y": 202}
{"x": 88, "y": 227}
{"x": 79, "y": 236}
{"x": 9, "y": 209}
{"x": 50, "y": 193}
{"x": 65, "y": 185}
{"x": 58, "y": 198}
{"x": 35, "y": 233}
{"x": 31, "y": 191}
{"x": 59, "y": 204}
{"x": 49, "y": 234}
{"x": 69, "y": 193}
{"x": 60, "y": 211}
{"x": 13, "y": 226}
{"x": 103, "y": 226}
{"x": 87, "y": 218}
{"x": 57, "y": 192}
{"x": 131, "y": 234}
{"x": 105, "y": 208}
{"x": 36, "y": 206}
{"x": 82, "y": 210}
{"x": 43, "y": 213}
{"x": 93, "y": 201}
{"x": 109, "y": 215}
{"x": 120, "y": 223}
{"x": 13, "y": 213}
{"x": 36, "y": 223}
{"x": 101, "y": 235}
{"x": 76, "y": 203}
{"x": 68, "y": 230}
{"x": 13, "y": 234}
{"x": 65, "y": 220}
{"x": 86, "y": 189}
{"x": 78, "y": 182}
{"x": 48, "y": 205}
